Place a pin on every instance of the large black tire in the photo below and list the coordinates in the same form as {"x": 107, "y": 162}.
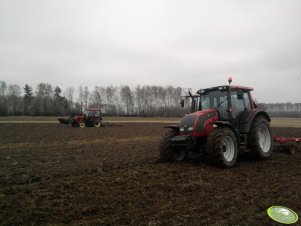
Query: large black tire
{"x": 97, "y": 123}
{"x": 167, "y": 153}
{"x": 222, "y": 148}
{"x": 260, "y": 140}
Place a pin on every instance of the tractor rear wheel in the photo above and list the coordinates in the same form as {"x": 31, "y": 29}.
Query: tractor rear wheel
{"x": 260, "y": 140}
{"x": 167, "y": 153}
{"x": 222, "y": 149}
{"x": 97, "y": 123}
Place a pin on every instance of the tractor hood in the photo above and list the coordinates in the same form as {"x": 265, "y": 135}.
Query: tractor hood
{"x": 198, "y": 123}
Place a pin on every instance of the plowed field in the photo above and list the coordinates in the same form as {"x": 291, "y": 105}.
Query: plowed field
{"x": 51, "y": 174}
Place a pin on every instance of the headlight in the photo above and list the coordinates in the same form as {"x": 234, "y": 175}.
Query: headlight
{"x": 181, "y": 129}
{"x": 190, "y": 128}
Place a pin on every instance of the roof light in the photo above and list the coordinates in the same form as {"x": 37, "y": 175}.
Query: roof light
{"x": 230, "y": 79}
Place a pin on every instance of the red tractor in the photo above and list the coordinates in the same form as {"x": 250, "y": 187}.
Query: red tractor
{"x": 90, "y": 117}
{"x": 224, "y": 122}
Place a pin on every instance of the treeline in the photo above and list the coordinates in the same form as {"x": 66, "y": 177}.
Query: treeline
{"x": 290, "y": 110}
{"x": 46, "y": 100}
{"x": 145, "y": 101}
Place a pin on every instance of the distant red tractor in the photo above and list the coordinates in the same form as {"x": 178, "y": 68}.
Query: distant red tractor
{"x": 91, "y": 117}
{"x": 224, "y": 122}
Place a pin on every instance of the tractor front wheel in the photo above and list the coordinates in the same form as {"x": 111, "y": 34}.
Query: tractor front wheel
{"x": 260, "y": 140}
{"x": 167, "y": 153}
{"x": 82, "y": 125}
{"x": 222, "y": 149}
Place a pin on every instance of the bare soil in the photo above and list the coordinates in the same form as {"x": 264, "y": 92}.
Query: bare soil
{"x": 52, "y": 174}
{"x": 276, "y": 122}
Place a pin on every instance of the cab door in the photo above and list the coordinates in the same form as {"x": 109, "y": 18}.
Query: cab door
{"x": 241, "y": 107}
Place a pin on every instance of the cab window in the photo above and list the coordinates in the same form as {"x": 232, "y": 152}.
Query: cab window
{"x": 247, "y": 101}
{"x": 237, "y": 104}
{"x": 92, "y": 114}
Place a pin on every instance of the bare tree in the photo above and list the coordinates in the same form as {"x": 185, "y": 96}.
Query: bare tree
{"x": 69, "y": 94}
{"x": 3, "y": 104}
{"x": 86, "y": 96}
{"x": 81, "y": 97}
{"x": 127, "y": 99}
{"x": 96, "y": 96}
{"x": 43, "y": 98}
{"x": 138, "y": 98}
{"x": 3, "y": 88}
{"x": 110, "y": 92}
{"x": 28, "y": 96}
{"x": 14, "y": 94}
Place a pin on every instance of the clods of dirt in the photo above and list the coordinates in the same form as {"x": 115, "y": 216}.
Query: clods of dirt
{"x": 51, "y": 174}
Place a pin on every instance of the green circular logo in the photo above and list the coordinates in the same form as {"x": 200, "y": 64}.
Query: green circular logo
{"x": 282, "y": 214}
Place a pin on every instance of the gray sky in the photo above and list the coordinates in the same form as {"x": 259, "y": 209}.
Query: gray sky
{"x": 192, "y": 44}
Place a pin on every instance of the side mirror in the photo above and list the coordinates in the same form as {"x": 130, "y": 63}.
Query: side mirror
{"x": 182, "y": 103}
{"x": 240, "y": 94}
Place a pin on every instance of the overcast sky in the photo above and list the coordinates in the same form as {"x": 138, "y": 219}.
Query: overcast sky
{"x": 192, "y": 44}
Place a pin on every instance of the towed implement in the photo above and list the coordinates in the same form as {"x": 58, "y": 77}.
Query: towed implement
{"x": 91, "y": 117}
{"x": 288, "y": 144}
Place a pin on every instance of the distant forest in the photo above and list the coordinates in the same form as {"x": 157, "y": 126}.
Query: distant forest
{"x": 145, "y": 101}
{"x": 48, "y": 100}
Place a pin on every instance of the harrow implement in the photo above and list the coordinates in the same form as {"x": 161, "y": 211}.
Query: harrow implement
{"x": 288, "y": 144}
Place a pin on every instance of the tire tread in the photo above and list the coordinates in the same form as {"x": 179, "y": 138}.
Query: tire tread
{"x": 215, "y": 149}
{"x": 253, "y": 139}
{"x": 165, "y": 148}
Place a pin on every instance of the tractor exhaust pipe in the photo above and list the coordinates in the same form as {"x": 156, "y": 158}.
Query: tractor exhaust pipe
{"x": 193, "y": 102}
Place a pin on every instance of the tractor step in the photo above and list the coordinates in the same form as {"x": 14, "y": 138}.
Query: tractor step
{"x": 181, "y": 139}
{"x": 243, "y": 138}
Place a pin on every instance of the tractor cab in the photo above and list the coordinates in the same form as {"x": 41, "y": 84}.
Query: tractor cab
{"x": 92, "y": 112}
{"x": 228, "y": 100}
{"x": 226, "y": 104}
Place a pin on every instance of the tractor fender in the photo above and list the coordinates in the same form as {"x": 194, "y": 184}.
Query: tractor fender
{"x": 246, "y": 122}
{"x": 224, "y": 124}
{"x": 174, "y": 127}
